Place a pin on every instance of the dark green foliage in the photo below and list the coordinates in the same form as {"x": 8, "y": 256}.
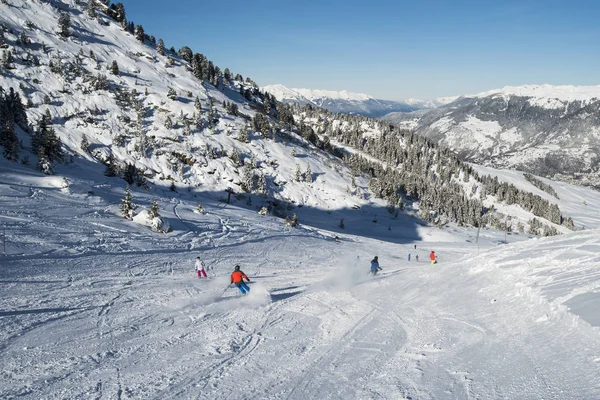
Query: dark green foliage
{"x": 139, "y": 33}
{"x": 127, "y": 205}
{"x": 160, "y": 47}
{"x": 64, "y": 25}
{"x": 154, "y": 210}
{"x": 112, "y": 169}
{"x": 114, "y": 68}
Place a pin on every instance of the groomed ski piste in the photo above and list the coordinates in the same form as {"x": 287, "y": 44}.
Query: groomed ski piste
{"x": 93, "y": 306}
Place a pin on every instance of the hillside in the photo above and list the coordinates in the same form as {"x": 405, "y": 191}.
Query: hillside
{"x": 156, "y": 115}
{"x": 547, "y": 130}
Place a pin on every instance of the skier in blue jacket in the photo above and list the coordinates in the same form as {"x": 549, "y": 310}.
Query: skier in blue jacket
{"x": 375, "y": 265}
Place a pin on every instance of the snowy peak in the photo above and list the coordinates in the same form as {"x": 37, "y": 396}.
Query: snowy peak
{"x": 317, "y": 95}
{"x": 341, "y": 102}
{"x": 438, "y": 102}
{"x": 564, "y": 93}
{"x": 283, "y": 93}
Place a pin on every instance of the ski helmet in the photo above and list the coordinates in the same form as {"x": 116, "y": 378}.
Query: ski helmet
{"x": 237, "y": 267}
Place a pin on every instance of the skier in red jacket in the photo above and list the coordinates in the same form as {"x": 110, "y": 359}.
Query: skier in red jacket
{"x": 432, "y": 257}
{"x": 237, "y": 278}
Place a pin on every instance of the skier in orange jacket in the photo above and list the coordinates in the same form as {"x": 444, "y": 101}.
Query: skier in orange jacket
{"x": 432, "y": 256}
{"x": 237, "y": 278}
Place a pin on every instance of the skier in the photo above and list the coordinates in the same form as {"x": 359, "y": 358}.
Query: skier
{"x": 432, "y": 257}
{"x": 200, "y": 268}
{"x": 408, "y": 256}
{"x": 375, "y": 266}
{"x": 417, "y": 258}
{"x": 237, "y": 278}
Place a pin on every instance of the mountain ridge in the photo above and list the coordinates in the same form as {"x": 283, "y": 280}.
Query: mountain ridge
{"x": 351, "y": 103}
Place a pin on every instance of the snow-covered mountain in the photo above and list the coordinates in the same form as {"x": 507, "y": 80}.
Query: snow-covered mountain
{"x": 427, "y": 104}
{"x": 344, "y": 101}
{"x": 101, "y": 92}
{"x": 95, "y": 305}
{"x": 544, "y": 129}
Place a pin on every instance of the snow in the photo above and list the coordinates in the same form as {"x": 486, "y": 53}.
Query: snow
{"x": 314, "y": 95}
{"x": 283, "y": 93}
{"x": 95, "y": 306}
{"x": 548, "y": 96}
{"x": 437, "y": 102}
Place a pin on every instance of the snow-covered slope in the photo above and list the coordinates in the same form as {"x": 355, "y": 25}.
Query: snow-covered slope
{"x": 95, "y": 306}
{"x": 544, "y": 129}
{"x": 427, "y": 104}
{"x": 190, "y": 138}
{"x": 342, "y": 102}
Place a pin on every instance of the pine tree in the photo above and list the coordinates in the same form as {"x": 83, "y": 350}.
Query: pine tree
{"x": 160, "y": 47}
{"x": 111, "y": 168}
{"x": 139, "y": 33}
{"x": 308, "y": 174}
{"x": 85, "y": 144}
{"x": 168, "y": 122}
{"x": 172, "y": 188}
{"x": 298, "y": 173}
{"x": 248, "y": 183}
{"x": 9, "y": 140}
{"x": 114, "y": 68}
{"x": 243, "y": 134}
{"x": 7, "y": 59}
{"x": 262, "y": 184}
{"x": 154, "y": 210}
{"x": 171, "y": 94}
{"x": 44, "y": 164}
{"x": 91, "y": 9}
{"x": 64, "y": 24}
{"x": 127, "y": 205}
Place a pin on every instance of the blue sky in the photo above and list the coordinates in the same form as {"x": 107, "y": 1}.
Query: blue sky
{"x": 389, "y": 49}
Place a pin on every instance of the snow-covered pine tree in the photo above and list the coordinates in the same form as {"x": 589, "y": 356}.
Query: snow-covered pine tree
{"x": 127, "y": 205}
{"x": 243, "y": 134}
{"x": 64, "y": 24}
{"x": 154, "y": 210}
{"x": 85, "y": 144}
{"x": 160, "y": 47}
{"x": 111, "y": 167}
{"x": 171, "y": 94}
{"x": 139, "y": 33}
{"x": 308, "y": 174}
{"x": 114, "y": 68}
{"x": 91, "y": 9}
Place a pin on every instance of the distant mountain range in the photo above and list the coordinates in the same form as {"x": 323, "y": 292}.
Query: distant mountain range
{"x": 543, "y": 129}
{"x": 351, "y": 103}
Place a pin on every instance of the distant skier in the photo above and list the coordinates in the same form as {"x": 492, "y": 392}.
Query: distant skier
{"x": 237, "y": 278}
{"x": 200, "y": 268}
{"x": 408, "y": 256}
{"x": 432, "y": 257}
{"x": 375, "y": 265}
{"x": 415, "y": 246}
{"x": 417, "y": 258}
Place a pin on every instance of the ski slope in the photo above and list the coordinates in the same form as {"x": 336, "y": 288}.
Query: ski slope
{"x": 93, "y": 306}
